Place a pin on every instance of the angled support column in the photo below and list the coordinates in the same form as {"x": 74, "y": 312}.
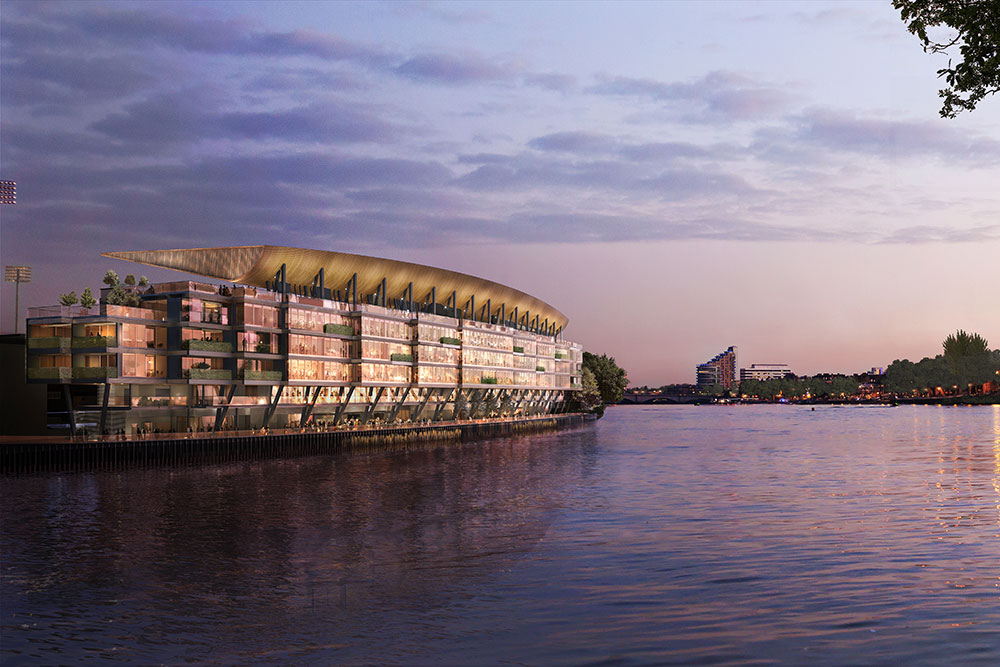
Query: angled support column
{"x": 370, "y": 408}
{"x": 104, "y": 408}
{"x": 399, "y": 403}
{"x": 71, "y": 416}
{"x": 272, "y": 406}
{"x": 339, "y": 413}
{"x": 521, "y": 393}
{"x": 309, "y": 405}
{"x": 220, "y": 412}
{"x": 423, "y": 403}
{"x": 439, "y": 408}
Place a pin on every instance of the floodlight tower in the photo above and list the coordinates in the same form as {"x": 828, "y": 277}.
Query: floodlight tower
{"x": 17, "y": 275}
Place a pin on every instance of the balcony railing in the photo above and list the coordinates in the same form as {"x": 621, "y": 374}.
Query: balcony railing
{"x": 41, "y": 342}
{"x": 271, "y": 376}
{"x": 60, "y": 311}
{"x": 95, "y": 341}
{"x": 207, "y": 345}
{"x": 209, "y": 374}
{"x": 50, "y": 373}
{"x": 341, "y": 329}
{"x": 92, "y": 372}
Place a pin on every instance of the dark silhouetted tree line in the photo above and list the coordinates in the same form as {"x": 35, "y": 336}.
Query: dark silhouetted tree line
{"x": 966, "y": 359}
{"x": 816, "y": 386}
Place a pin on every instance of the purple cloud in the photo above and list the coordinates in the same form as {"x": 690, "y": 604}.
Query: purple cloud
{"x": 454, "y": 70}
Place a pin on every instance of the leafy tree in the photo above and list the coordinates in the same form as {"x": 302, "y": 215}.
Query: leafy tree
{"x": 87, "y": 299}
{"x": 714, "y": 389}
{"x": 590, "y": 394}
{"x": 961, "y": 344}
{"x": 123, "y": 293}
{"x": 68, "y": 299}
{"x": 611, "y": 378}
{"x": 977, "y": 24}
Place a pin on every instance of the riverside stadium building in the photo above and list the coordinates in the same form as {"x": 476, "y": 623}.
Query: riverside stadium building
{"x": 299, "y": 337}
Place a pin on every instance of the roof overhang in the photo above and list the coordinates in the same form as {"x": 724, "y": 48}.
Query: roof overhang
{"x": 256, "y": 265}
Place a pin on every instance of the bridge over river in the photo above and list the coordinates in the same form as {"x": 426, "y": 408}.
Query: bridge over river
{"x": 660, "y": 398}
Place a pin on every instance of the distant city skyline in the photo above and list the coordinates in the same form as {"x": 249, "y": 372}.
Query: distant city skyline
{"x": 679, "y": 177}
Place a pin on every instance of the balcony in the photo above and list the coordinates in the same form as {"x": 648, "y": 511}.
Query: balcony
{"x": 209, "y": 374}
{"x": 44, "y": 342}
{"x": 207, "y": 345}
{"x": 94, "y": 341}
{"x": 340, "y": 329}
{"x": 94, "y": 372}
{"x": 262, "y": 376}
{"x": 50, "y": 373}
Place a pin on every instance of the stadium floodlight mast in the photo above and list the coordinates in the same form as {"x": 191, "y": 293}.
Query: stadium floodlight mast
{"x": 17, "y": 275}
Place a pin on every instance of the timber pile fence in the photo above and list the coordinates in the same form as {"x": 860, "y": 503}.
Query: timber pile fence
{"x": 28, "y": 455}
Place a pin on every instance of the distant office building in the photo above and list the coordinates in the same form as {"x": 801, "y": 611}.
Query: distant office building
{"x": 720, "y": 370}
{"x": 8, "y": 192}
{"x": 764, "y": 372}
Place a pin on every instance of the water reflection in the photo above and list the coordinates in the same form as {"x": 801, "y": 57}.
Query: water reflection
{"x": 233, "y": 551}
{"x": 662, "y": 534}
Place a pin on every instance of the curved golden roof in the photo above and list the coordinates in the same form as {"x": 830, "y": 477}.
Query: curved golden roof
{"x": 253, "y": 265}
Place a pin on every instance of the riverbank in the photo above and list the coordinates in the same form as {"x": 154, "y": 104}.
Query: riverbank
{"x": 20, "y": 455}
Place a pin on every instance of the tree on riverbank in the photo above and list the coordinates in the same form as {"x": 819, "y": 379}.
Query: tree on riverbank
{"x": 611, "y": 378}
{"x": 822, "y": 386}
{"x": 966, "y": 360}
{"x": 590, "y": 394}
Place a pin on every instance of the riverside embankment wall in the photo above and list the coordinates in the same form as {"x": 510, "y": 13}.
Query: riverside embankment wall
{"x": 26, "y": 457}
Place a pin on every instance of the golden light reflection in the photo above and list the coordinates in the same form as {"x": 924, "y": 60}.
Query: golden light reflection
{"x": 996, "y": 457}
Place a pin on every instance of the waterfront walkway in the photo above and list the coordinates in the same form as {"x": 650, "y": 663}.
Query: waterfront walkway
{"x": 81, "y": 453}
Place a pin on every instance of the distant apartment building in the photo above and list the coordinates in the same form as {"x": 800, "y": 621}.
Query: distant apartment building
{"x": 764, "y": 372}
{"x": 720, "y": 370}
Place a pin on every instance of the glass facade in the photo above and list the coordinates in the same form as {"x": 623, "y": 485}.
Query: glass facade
{"x": 195, "y": 347}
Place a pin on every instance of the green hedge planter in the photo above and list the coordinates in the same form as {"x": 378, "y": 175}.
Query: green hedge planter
{"x": 48, "y": 341}
{"x": 210, "y": 374}
{"x": 560, "y": 355}
{"x": 397, "y": 356}
{"x": 340, "y": 329}
{"x": 539, "y": 368}
{"x": 89, "y": 372}
{"x": 50, "y": 373}
{"x": 207, "y": 345}
{"x": 95, "y": 341}
{"x": 519, "y": 349}
{"x": 488, "y": 381}
{"x": 274, "y": 376}
{"x": 445, "y": 340}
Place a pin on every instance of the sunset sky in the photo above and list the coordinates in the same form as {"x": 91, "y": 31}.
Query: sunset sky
{"x": 675, "y": 177}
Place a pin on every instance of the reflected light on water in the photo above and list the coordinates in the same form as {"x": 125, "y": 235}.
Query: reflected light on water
{"x": 661, "y": 534}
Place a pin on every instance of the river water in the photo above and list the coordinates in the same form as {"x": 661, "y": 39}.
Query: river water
{"x": 661, "y": 534}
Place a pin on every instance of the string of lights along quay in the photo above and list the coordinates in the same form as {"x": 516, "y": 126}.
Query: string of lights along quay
{"x": 298, "y": 337}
